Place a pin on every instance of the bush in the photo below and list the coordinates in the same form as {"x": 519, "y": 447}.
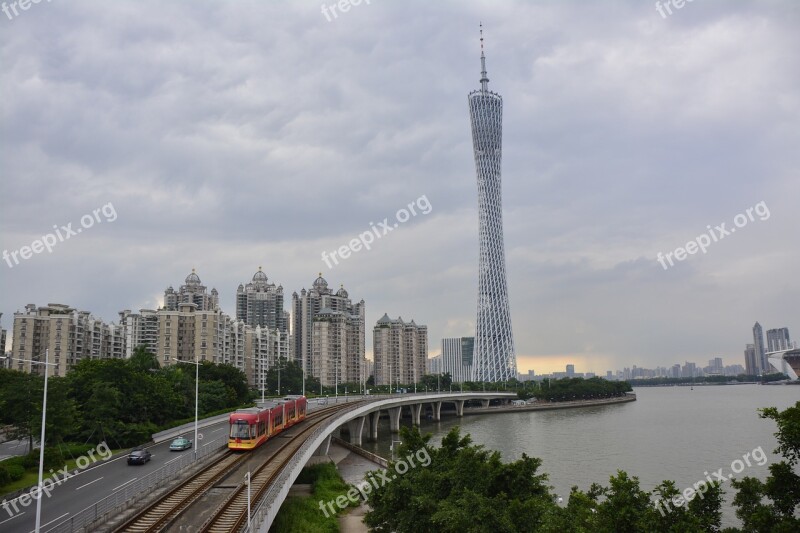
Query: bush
{"x": 52, "y": 459}
{"x": 5, "y": 476}
{"x": 16, "y": 472}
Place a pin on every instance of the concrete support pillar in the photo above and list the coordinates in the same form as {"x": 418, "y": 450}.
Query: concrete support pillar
{"x": 394, "y": 419}
{"x": 356, "y": 427}
{"x": 416, "y": 410}
{"x": 324, "y": 447}
{"x": 436, "y": 407}
{"x": 373, "y": 425}
{"x": 459, "y": 407}
{"x": 485, "y": 404}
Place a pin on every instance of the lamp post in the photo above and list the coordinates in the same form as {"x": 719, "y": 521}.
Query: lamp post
{"x": 41, "y": 439}
{"x": 196, "y": 397}
{"x": 247, "y": 481}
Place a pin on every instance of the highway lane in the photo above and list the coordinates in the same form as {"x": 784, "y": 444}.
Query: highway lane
{"x": 14, "y": 447}
{"x": 89, "y": 486}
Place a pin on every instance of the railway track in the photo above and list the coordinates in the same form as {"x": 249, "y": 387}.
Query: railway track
{"x": 158, "y": 515}
{"x": 232, "y": 514}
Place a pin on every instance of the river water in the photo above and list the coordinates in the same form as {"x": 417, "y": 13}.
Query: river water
{"x": 668, "y": 433}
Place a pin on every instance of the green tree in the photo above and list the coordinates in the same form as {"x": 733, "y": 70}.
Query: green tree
{"x": 772, "y": 505}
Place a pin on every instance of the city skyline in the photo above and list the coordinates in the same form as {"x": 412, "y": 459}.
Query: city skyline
{"x": 314, "y": 131}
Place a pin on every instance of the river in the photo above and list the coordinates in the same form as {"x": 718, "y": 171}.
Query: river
{"x": 669, "y": 433}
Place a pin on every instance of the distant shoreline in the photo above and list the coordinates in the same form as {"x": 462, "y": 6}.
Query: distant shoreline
{"x": 548, "y": 406}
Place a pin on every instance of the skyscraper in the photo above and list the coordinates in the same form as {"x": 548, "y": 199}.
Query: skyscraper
{"x": 400, "y": 350}
{"x": 495, "y": 359}
{"x": 321, "y": 345}
{"x": 778, "y": 339}
{"x": 762, "y": 364}
{"x": 260, "y": 303}
{"x": 457, "y": 358}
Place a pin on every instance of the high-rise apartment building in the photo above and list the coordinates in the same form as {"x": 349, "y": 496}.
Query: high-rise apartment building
{"x": 3, "y": 332}
{"x": 68, "y": 336}
{"x": 400, "y": 350}
{"x": 328, "y": 332}
{"x": 139, "y": 329}
{"x": 192, "y": 291}
{"x": 457, "y": 358}
{"x": 778, "y": 339}
{"x": 495, "y": 358}
{"x": 260, "y": 303}
{"x": 763, "y": 365}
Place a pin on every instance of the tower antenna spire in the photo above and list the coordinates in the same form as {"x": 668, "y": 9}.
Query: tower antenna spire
{"x": 484, "y": 78}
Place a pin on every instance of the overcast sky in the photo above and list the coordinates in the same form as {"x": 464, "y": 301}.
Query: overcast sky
{"x": 232, "y": 134}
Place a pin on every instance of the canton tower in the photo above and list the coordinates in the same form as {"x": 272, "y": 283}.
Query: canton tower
{"x": 494, "y": 357}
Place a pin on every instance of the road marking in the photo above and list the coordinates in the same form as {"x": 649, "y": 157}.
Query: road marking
{"x": 220, "y": 429}
{"x": 87, "y": 484}
{"x": 50, "y": 522}
{"x": 171, "y": 460}
{"x": 131, "y": 481}
{"x": 13, "y": 517}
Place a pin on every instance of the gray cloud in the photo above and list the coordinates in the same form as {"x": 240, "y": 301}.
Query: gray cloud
{"x": 230, "y": 135}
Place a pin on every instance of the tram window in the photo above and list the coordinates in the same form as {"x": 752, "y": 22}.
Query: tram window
{"x": 239, "y": 430}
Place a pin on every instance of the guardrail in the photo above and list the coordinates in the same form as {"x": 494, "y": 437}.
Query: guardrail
{"x": 126, "y": 496}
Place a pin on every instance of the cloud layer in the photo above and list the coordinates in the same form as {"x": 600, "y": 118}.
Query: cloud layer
{"x": 230, "y": 135}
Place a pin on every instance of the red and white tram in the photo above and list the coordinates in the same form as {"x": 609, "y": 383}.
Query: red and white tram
{"x": 251, "y": 427}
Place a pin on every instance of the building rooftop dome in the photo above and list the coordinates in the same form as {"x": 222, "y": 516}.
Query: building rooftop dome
{"x": 193, "y": 278}
{"x": 320, "y": 282}
{"x": 341, "y": 292}
{"x": 259, "y": 277}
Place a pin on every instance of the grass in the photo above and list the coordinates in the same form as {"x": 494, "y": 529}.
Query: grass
{"x": 303, "y": 515}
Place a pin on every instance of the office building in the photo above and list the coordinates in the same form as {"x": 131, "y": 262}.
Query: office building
{"x": 750, "y": 360}
{"x": 762, "y": 364}
{"x": 778, "y": 339}
{"x": 457, "y": 358}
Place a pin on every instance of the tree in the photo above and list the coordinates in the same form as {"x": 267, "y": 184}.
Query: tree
{"x": 143, "y": 361}
{"x": 772, "y": 505}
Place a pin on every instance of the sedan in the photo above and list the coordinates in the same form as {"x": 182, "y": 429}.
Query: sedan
{"x": 139, "y": 456}
{"x": 180, "y": 444}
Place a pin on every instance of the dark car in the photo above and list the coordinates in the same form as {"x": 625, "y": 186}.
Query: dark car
{"x": 139, "y": 456}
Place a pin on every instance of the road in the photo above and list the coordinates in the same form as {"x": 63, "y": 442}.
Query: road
{"x": 14, "y": 448}
{"x": 89, "y": 486}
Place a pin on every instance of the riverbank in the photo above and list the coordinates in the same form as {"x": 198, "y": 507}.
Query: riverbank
{"x": 547, "y": 406}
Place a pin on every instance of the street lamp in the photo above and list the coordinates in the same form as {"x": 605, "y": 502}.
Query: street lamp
{"x": 196, "y": 396}
{"x": 247, "y": 481}
{"x": 41, "y": 439}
